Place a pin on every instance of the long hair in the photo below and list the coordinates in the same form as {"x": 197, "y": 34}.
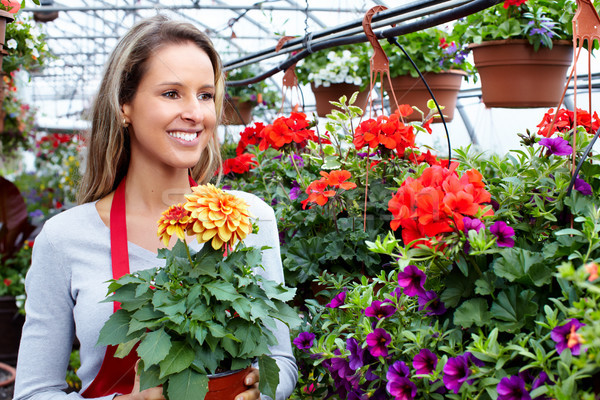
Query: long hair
{"x": 108, "y": 143}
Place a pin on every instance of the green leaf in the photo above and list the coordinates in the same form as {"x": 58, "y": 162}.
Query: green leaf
{"x": 249, "y": 337}
{"x": 512, "y": 307}
{"x": 269, "y": 375}
{"x": 223, "y": 291}
{"x": 114, "y": 331}
{"x": 149, "y": 377}
{"x": 179, "y": 358}
{"x": 125, "y": 348}
{"x": 155, "y": 347}
{"x": 287, "y": 315}
{"x": 276, "y": 290}
{"x": 523, "y": 266}
{"x": 474, "y": 311}
{"x": 147, "y": 313}
{"x": 188, "y": 385}
{"x": 331, "y": 162}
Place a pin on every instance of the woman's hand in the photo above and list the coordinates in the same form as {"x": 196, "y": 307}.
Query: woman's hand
{"x": 148, "y": 394}
{"x": 251, "y": 381}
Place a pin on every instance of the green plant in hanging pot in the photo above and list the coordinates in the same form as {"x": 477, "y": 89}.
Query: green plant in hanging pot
{"x": 522, "y": 50}
{"x": 206, "y": 311}
{"x": 336, "y": 72}
{"x": 443, "y": 63}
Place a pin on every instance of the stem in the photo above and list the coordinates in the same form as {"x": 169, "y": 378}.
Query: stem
{"x": 187, "y": 249}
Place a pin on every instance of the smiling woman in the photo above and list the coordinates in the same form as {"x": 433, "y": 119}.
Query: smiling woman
{"x": 153, "y": 121}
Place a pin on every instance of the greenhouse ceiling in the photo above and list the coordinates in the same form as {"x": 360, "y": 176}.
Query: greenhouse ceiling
{"x": 85, "y": 32}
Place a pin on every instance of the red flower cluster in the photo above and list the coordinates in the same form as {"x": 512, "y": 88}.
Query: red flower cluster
{"x": 240, "y": 164}
{"x": 508, "y": 3}
{"x": 283, "y": 131}
{"x": 55, "y": 139}
{"x": 321, "y": 190}
{"x": 564, "y": 121}
{"x": 389, "y": 132}
{"x": 436, "y": 202}
{"x": 429, "y": 158}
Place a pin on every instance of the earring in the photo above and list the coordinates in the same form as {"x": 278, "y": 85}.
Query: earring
{"x": 125, "y": 123}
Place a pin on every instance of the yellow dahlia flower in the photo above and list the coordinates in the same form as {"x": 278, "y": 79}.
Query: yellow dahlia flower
{"x": 218, "y": 216}
{"x": 175, "y": 219}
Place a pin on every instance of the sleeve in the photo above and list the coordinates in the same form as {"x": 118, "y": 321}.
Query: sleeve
{"x": 268, "y": 235}
{"x": 48, "y": 333}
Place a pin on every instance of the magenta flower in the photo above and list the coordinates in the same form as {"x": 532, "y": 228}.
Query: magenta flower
{"x": 566, "y": 336}
{"x": 295, "y": 191}
{"x": 431, "y": 303}
{"x": 412, "y": 280}
{"x": 472, "y": 224}
{"x": 402, "y": 389}
{"x": 582, "y": 187}
{"x": 456, "y": 372}
{"x": 357, "y": 354}
{"x": 557, "y": 146}
{"x": 512, "y": 388}
{"x": 378, "y": 340}
{"x": 397, "y": 370}
{"x": 304, "y": 340}
{"x": 338, "y": 300}
{"x": 424, "y": 362}
{"x": 379, "y": 309}
{"x": 504, "y": 234}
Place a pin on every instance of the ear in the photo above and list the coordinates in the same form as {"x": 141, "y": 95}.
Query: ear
{"x": 126, "y": 112}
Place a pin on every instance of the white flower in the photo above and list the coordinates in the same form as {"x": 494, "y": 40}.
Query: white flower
{"x": 29, "y": 43}
{"x": 35, "y": 53}
{"x": 11, "y": 44}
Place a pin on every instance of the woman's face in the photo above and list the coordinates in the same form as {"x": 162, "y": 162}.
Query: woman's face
{"x": 172, "y": 115}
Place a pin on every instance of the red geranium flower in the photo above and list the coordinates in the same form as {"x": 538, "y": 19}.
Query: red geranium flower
{"x": 508, "y": 3}
{"x": 565, "y": 121}
{"x": 388, "y": 132}
{"x": 252, "y": 135}
{"x": 240, "y": 164}
{"x": 322, "y": 189}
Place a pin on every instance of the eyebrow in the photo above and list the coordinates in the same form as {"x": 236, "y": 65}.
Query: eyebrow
{"x": 210, "y": 86}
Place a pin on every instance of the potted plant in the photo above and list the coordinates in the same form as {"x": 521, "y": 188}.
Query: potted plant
{"x": 241, "y": 101}
{"x": 336, "y": 72}
{"x": 206, "y": 311}
{"x": 443, "y": 63}
{"x": 522, "y": 50}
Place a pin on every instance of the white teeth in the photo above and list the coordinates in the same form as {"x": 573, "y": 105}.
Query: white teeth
{"x": 188, "y": 137}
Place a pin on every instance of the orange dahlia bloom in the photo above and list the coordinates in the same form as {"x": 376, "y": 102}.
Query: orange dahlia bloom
{"x": 174, "y": 220}
{"x": 218, "y": 216}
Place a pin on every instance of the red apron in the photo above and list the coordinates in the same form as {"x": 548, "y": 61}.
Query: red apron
{"x": 117, "y": 375}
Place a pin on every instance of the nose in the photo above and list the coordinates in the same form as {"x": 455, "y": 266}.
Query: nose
{"x": 192, "y": 110}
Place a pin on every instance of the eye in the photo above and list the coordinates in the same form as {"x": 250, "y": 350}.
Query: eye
{"x": 206, "y": 96}
{"x": 171, "y": 94}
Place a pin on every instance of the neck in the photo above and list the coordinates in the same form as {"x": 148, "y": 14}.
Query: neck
{"x": 155, "y": 192}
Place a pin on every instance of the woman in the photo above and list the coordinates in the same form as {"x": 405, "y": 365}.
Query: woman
{"x": 154, "y": 122}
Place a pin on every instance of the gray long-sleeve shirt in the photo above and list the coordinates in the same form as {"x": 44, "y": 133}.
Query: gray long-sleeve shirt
{"x": 68, "y": 277}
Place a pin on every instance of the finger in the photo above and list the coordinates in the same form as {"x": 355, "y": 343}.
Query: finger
{"x": 252, "y": 377}
{"x": 250, "y": 394}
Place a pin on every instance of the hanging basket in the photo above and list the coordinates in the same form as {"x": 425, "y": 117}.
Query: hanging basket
{"x": 513, "y": 75}
{"x": 226, "y": 385}
{"x": 231, "y": 117}
{"x": 408, "y": 90}
{"x": 333, "y": 92}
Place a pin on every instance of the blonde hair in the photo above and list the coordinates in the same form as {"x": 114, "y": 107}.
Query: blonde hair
{"x": 108, "y": 147}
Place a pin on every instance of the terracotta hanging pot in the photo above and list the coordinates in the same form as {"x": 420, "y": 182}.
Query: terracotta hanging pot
{"x": 11, "y": 326}
{"x": 231, "y": 117}
{"x": 513, "y": 75}
{"x": 333, "y": 92}
{"x": 408, "y": 90}
{"x": 226, "y": 385}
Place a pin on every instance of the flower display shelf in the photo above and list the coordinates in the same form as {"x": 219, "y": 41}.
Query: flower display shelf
{"x": 445, "y": 86}
{"x": 325, "y": 94}
{"x": 513, "y": 75}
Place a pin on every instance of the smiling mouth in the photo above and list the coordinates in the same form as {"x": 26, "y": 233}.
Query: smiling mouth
{"x": 188, "y": 137}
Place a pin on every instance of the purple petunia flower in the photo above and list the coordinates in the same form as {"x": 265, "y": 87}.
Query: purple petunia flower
{"x": 339, "y": 367}
{"x": 378, "y": 340}
{"x": 379, "y": 309}
{"x": 557, "y": 146}
{"x": 402, "y": 389}
{"x": 541, "y": 379}
{"x": 472, "y": 224}
{"x": 338, "y": 300}
{"x": 503, "y": 233}
{"x": 299, "y": 161}
{"x": 582, "y": 187}
{"x": 397, "y": 370}
{"x": 36, "y": 214}
{"x": 295, "y": 190}
{"x": 425, "y": 362}
{"x": 456, "y": 372}
{"x": 512, "y": 388}
{"x": 565, "y": 337}
{"x": 412, "y": 280}
{"x": 430, "y": 302}
{"x": 357, "y": 354}
{"x": 304, "y": 340}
